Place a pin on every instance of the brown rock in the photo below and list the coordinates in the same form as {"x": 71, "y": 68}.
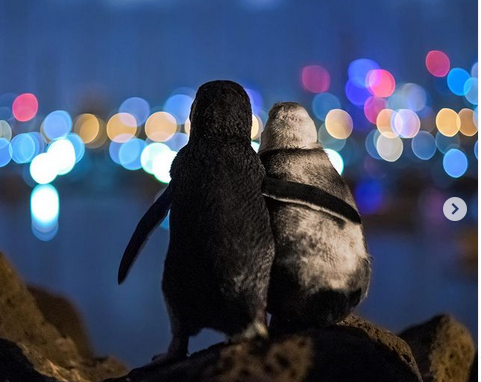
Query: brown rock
{"x": 27, "y": 336}
{"x": 63, "y": 315}
{"x": 354, "y": 351}
{"x": 443, "y": 348}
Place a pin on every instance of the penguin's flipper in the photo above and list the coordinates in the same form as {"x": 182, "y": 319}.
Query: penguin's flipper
{"x": 153, "y": 217}
{"x": 309, "y": 196}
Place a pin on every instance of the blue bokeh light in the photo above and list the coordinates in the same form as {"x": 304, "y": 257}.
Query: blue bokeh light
{"x": 114, "y": 149}
{"x": 5, "y": 152}
{"x": 44, "y": 207}
{"x": 323, "y": 103}
{"x": 476, "y": 149}
{"x": 358, "y": 69}
{"x": 23, "y": 146}
{"x": 370, "y": 144}
{"x": 444, "y": 143}
{"x": 369, "y": 196}
{"x": 471, "y": 90}
{"x": 136, "y": 106}
{"x": 457, "y": 77}
{"x": 455, "y": 163}
{"x": 356, "y": 94}
{"x": 57, "y": 124}
{"x": 78, "y": 146}
{"x": 177, "y": 141}
{"x": 130, "y": 152}
{"x": 179, "y": 106}
{"x": 424, "y": 145}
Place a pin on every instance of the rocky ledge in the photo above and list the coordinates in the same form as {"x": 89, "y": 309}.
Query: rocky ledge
{"x": 39, "y": 345}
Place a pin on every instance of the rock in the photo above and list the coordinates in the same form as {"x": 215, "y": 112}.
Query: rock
{"x": 61, "y": 313}
{"x": 355, "y": 350}
{"x": 443, "y": 348}
{"x": 28, "y": 340}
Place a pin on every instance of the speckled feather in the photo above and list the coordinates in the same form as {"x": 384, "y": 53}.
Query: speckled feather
{"x": 321, "y": 269}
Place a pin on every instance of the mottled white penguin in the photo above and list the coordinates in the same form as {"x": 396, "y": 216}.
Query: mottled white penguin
{"x": 322, "y": 268}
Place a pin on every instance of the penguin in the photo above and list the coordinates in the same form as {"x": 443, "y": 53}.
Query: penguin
{"x": 321, "y": 270}
{"x": 221, "y": 247}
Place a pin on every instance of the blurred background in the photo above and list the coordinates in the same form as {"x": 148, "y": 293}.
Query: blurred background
{"x": 94, "y": 104}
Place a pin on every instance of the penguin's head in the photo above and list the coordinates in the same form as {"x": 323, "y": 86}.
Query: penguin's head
{"x": 221, "y": 109}
{"x": 289, "y": 126}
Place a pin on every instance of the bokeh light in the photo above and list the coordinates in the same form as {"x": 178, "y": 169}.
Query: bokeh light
{"x": 475, "y": 149}
{"x": 40, "y": 142}
{"x": 437, "y": 63}
{"x": 149, "y": 155}
{"x": 474, "y": 70}
{"x": 389, "y": 149}
{"x": 372, "y": 107}
{"x": 468, "y": 126}
{"x": 448, "y": 122}
{"x": 114, "y": 149}
{"x": 5, "y": 152}
{"x": 356, "y": 94}
{"x": 57, "y": 124}
{"x": 444, "y": 143}
{"x": 44, "y": 208}
{"x": 339, "y": 124}
{"x": 369, "y": 196}
{"x": 471, "y": 90}
{"x": 358, "y": 70}
{"x": 457, "y": 78}
{"x": 406, "y": 123}
{"x": 329, "y": 142}
{"x": 78, "y": 145}
{"x": 257, "y": 127}
{"x": 5, "y": 130}
{"x": 257, "y": 103}
{"x": 121, "y": 127}
{"x": 336, "y": 160}
{"x": 130, "y": 152}
{"x": 380, "y": 82}
{"x": 178, "y": 141}
{"x": 415, "y": 96}
{"x": 62, "y": 153}
{"x": 136, "y": 106}
{"x": 23, "y": 148}
{"x": 87, "y": 126}
{"x": 323, "y": 103}
{"x": 160, "y": 126}
{"x": 385, "y": 121}
{"x": 455, "y": 163}
{"x": 178, "y": 105}
{"x": 43, "y": 168}
{"x": 161, "y": 165}
{"x": 315, "y": 78}
{"x": 423, "y": 145}
{"x": 255, "y": 146}
{"x": 25, "y": 107}
{"x": 371, "y": 142}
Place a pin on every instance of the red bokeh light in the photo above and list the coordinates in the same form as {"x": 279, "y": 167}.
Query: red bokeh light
{"x": 25, "y": 107}
{"x": 315, "y": 78}
{"x": 437, "y": 63}
{"x": 373, "y": 107}
{"x": 380, "y": 83}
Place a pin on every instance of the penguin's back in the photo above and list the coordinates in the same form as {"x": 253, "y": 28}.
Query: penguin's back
{"x": 321, "y": 269}
{"x": 221, "y": 247}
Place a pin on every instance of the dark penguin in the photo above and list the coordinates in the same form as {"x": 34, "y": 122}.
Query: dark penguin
{"x": 221, "y": 246}
{"x": 321, "y": 269}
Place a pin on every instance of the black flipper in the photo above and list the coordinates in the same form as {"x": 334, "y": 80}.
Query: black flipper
{"x": 307, "y": 195}
{"x": 151, "y": 219}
